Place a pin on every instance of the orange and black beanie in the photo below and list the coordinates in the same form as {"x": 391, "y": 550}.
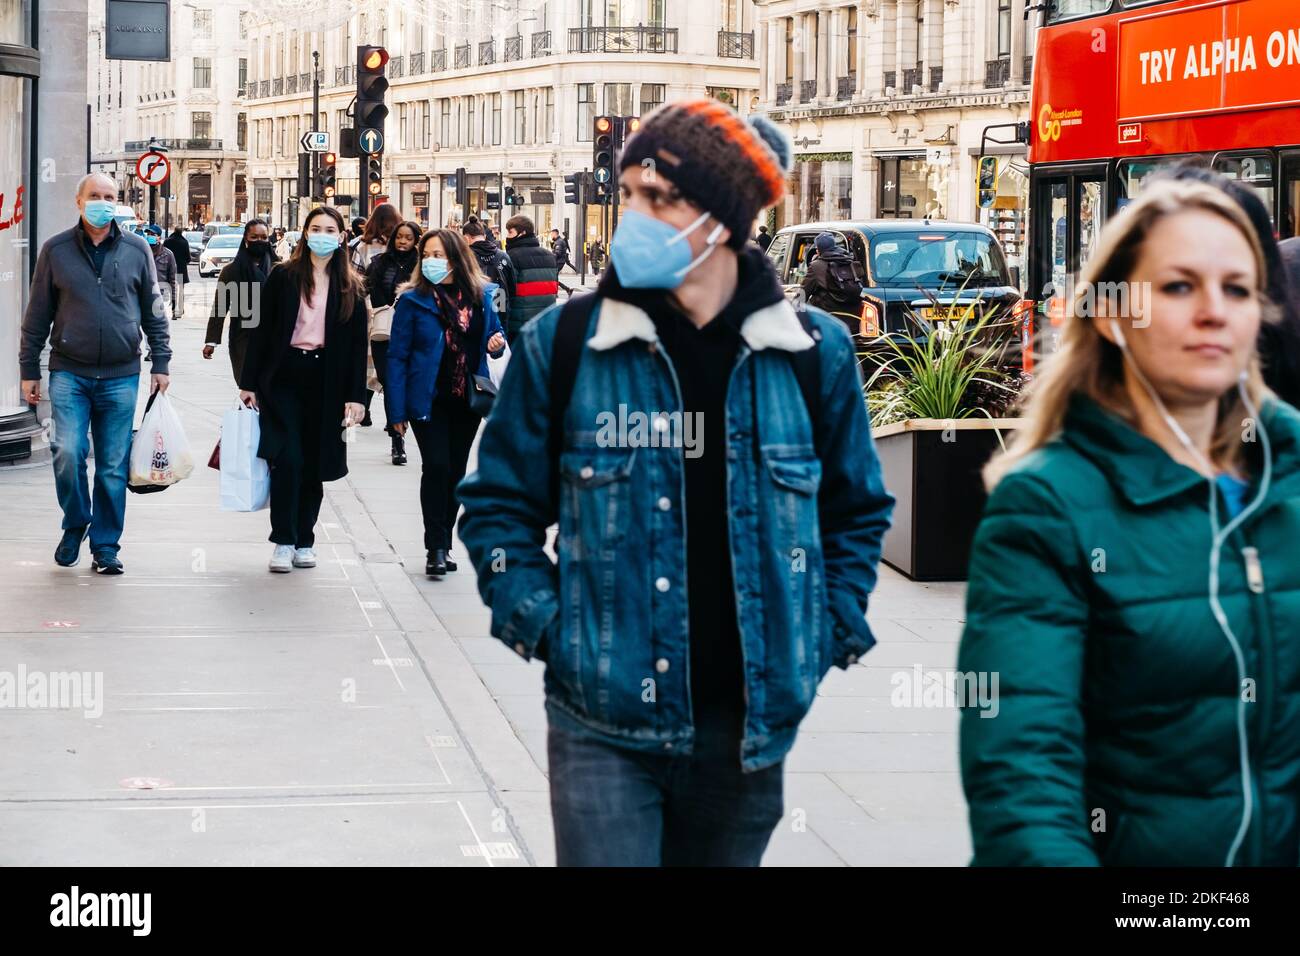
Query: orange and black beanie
{"x": 729, "y": 167}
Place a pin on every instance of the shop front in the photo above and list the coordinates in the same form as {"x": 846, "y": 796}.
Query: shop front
{"x": 19, "y": 64}
{"x": 536, "y": 195}
{"x": 263, "y": 198}
{"x": 820, "y": 189}
{"x": 200, "y": 197}
{"x": 912, "y": 187}
{"x": 413, "y": 200}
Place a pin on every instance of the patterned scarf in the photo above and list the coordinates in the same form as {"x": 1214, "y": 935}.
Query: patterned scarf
{"x": 455, "y": 314}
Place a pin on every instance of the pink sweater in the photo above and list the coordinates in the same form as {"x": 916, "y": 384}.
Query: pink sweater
{"x": 309, "y": 332}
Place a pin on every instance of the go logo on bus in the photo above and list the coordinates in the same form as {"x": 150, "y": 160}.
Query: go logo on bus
{"x": 1049, "y": 130}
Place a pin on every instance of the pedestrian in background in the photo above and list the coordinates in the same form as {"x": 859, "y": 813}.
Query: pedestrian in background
{"x": 305, "y": 371}
{"x": 560, "y": 249}
{"x": 165, "y": 267}
{"x": 833, "y": 283}
{"x": 595, "y": 255}
{"x": 763, "y": 239}
{"x": 372, "y": 242}
{"x": 179, "y": 247}
{"x": 239, "y": 295}
{"x": 1147, "y": 649}
{"x": 394, "y": 267}
{"x": 536, "y": 275}
{"x": 445, "y": 325}
{"x": 495, "y": 265}
{"x": 94, "y": 290}
{"x": 674, "y": 563}
{"x": 283, "y": 248}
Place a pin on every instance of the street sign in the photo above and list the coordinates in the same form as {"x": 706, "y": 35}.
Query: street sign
{"x": 153, "y": 168}
{"x": 420, "y": 199}
{"x": 315, "y": 141}
{"x": 371, "y": 141}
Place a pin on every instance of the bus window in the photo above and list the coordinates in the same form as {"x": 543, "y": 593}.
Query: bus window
{"x": 1134, "y": 172}
{"x": 1253, "y": 169}
{"x": 1068, "y": 9}
{"x": 1289, "y": 227}
{"x": 1091, "y": 214}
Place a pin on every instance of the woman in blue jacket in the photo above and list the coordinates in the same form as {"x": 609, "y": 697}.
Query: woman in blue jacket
{"x": 445, "y": 324}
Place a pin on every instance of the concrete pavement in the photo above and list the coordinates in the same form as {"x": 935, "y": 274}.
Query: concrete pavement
{"x": 359, "y": 713}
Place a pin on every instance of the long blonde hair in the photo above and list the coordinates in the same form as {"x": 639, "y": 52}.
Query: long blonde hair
{"x": 1086, "y": 363}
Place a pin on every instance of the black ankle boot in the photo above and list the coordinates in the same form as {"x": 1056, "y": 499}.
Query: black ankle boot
{"x": 451, "y": 565}
{"x": 436, "y": 564}
{"x": 399, "y": 450}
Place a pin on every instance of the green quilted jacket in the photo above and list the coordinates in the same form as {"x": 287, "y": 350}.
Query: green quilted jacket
{"x": 1114, "y": 739}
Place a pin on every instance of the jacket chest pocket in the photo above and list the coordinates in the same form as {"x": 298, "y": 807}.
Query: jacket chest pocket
{"x": 793, "y": 477}
{"x": 596, "y": 496}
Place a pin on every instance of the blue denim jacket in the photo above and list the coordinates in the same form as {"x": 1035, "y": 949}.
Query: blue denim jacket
{"x": 415, "y": 346}
{"x": 610, "y": 620}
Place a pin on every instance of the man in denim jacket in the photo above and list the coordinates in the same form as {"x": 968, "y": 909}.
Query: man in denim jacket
{"x": 718, "y": 531}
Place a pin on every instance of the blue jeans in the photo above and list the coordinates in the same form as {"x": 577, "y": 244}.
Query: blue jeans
{"x": 106, "y": 408}
{"x": 615, "y": 807}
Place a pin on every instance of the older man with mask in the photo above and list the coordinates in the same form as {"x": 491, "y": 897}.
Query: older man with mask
{"x": 94, "y": 290}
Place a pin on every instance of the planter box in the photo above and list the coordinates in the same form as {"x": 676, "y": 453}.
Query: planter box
{"x": 939, "y": 493}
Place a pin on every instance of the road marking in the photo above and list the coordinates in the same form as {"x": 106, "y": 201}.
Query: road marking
{"x": 477, "y": 839}
{"x": 392, "y": 670}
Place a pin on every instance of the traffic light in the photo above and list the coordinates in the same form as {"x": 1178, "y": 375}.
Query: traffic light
{"x": 325, "y": 176}
{"x": 375, "y": 174}
{"x": 511, "y": 199}
{"x": 304, "y": 174}
{"x": 573, "y": 188}
{"x": 602, "y": 158}
{"x": 369, "y": 115}
{"x": 462, "y": 188}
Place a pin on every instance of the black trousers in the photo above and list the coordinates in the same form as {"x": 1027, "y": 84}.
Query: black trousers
{"x": 379, "y": 350}
{"x": 444, "y": 441}
{"x": 296, "y": 490}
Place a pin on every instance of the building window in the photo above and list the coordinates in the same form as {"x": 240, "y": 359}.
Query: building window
{"x": 345, "y": 45}
{"x": 444, "y": 124}
{"x": 426, "y": 127}
{"x": 201, "y": 125}
{"x": 341, "y": 120}
{"x": 789, "y": 49}
{"x": 472, "y": 134}
{"x": 203, "y": 24}
{"x": 550, "y": 114}
{"x": 402, "y": 141}
{"x": 202, "y": 73}
{"x": 363, "y": 34}
{"x": 920, "y": 34}
{"x": 853, "y": 40}
{"x": 521, "y": 118}
{"x": 241, "y": 132}
{"x": 819, "y": 190}
{"x": 243, "y": 24}
{"x": 731, "y": 14}
{"x": 728, "y": 95}
{"x": 586, "y": 110}
{"x": 618, "y": 99}
{"x": 496, "y": 119}
{"x": 652, "y": 95}
{"x": 279, "y": 137}
{"x": 243, "y": 74}
{"x": 1004, "y": 28}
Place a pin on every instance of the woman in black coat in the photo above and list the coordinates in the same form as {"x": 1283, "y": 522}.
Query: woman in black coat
{"x": 388, "y": 270}
{"x": 239, "y": 291}
{"x": 305, "y": 371}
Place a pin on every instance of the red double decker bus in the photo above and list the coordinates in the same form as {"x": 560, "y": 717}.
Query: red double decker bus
{"x": 1123, "y": 88}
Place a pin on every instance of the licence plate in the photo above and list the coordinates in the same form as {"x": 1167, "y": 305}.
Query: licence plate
{"x": 946, "y": 313}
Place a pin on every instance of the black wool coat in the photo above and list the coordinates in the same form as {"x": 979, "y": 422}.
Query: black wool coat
{"x": 344, "y": 371}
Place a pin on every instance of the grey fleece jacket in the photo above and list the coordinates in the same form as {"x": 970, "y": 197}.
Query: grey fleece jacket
{"x": 94, "y": 321}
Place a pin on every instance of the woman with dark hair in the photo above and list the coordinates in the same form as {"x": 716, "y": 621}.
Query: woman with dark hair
{"x": 239, "y": 292}
{"x": 1279, "y": 342}
{"x": 444, "y": 327}
{"x": 305, "y": 371}
{"x": 388, "y": 270}
{"x": 373, "y": 239}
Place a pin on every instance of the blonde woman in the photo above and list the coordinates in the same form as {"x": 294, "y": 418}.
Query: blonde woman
{"x": 1135, "y": 583}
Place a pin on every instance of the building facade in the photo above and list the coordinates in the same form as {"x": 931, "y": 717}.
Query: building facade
{"x": 887, "y": 102}
{"x": 511, "y": 100}
{"x": 191, "y": 105}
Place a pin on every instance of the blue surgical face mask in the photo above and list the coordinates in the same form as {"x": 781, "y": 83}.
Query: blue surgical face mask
{"x": 434, "y": 269}
{"x": 151, "y": 239}
{"x": 322, "y": 243}
{"x": 649, "y": 254}
{"x": 99, "y": 212}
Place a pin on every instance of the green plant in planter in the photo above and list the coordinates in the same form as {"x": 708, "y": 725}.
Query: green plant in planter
{"x": 948, "y": 373}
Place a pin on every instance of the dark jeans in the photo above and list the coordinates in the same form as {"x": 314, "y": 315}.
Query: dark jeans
{"x": 444, "y": 441}
{"x": 615, "y": 807}
{"x": 102, "y": 408}
{"x": 296, "y": 490}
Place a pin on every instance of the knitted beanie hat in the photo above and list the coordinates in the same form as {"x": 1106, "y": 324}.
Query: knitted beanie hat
{"x": 729, "y": 167}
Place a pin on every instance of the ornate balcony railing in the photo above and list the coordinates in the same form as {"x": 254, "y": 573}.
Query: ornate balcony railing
{"x": 462, "y": 57}
{"x": 1029, "y": 69}
{"x": 911, "y": 78}
{"x": 735, "y": 45}
{"x": 638, "y": 39}
{"x": 542, "y": 43}
{"x": 396, "y": 67}
{"x": 845, "y": 86}
{"x": 783, "y": 93}
{"x": 304, "y": 81}
{"x": 415, "y": 64}
{"x": 264, "y": 89}
{"x": 891, "y": 80}
{"x": 338, "y": 76}
{"x": 936, "y": 78}
{"x": 487, "y": 52}
{"x": 513, "y": 49}
{"x": 291, "y": 83}
{"x": 997, "y": 73}
{"x": 438, "y": 61}
{"x": 807, "y": 91}
{"x": 144, "y": 144}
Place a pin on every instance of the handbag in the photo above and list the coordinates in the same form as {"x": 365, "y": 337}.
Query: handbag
{"x": 381, "y": 323}
{"x": 482, "y": 394}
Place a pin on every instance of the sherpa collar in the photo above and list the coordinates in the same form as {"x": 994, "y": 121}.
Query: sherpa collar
{"x": 773, "y": 327}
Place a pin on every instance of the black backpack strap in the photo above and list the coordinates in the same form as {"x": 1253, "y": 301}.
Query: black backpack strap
{"x": 566, "y": 355}
{"x": 807, "y": 368}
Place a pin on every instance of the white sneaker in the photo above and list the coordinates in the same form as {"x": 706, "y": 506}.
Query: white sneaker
{"x": 304, "y": 558}
{"x": 282, "y": 559}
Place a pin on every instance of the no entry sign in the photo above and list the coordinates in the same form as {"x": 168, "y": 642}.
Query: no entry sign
{"x": 153, "y": 168}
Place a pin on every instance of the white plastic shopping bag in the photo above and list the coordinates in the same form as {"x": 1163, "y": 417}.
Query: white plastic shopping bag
{"x": 245, "y": 478}
{"x": 160, "y": 452}
{"x": 497, "y": 367}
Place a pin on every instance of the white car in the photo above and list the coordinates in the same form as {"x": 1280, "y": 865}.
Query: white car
{"x": 219, "y": 251}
